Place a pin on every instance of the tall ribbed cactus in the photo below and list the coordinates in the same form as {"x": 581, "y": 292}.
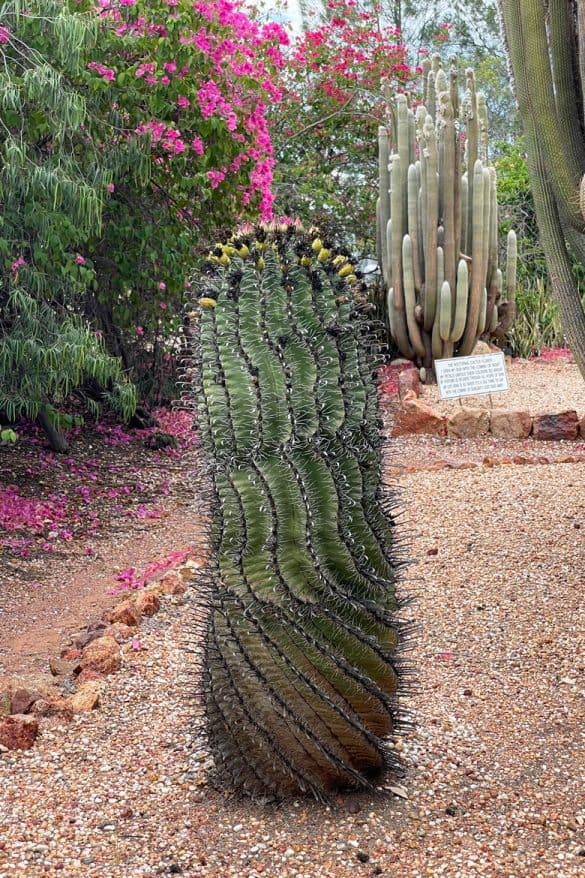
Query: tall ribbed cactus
{"x": 438, "y": 225}
{"x": 546, "y": 47}
{"x": 301, "y": 644}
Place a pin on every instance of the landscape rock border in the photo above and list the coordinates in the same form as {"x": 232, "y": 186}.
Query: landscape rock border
{"x": 76, "y": 680}
{"x": 415, "y": 415}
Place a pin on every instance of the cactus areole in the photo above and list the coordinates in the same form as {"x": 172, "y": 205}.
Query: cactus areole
{"x": 438, "y": 223}
{"x": 301, "y": 668}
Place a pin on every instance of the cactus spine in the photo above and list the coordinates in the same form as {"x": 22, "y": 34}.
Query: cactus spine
{"x": 301, "y": 644}
{"x": 440, "y": 242}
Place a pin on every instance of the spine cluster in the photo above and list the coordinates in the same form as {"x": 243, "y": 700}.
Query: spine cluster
{"x": 301, "y": 645}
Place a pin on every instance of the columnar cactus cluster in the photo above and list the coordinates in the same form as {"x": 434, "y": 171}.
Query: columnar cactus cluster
{"x": 437, "y": 221}
{"x": 301, "y": 645}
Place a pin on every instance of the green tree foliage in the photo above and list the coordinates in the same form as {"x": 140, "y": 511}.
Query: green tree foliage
{"x": 325, "y": 132}
{"x": 181, "y": 78}
{"x": 52, "y": 192}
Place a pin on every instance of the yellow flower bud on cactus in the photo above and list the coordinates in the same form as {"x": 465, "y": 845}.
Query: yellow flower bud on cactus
{"x": 323, "y": 254}
{"x": 306, "y": 261}
{"x": 351, "y": 279}
{"x": 207, "y": 302}
{"x": 317, "y": 245}
{"x": 243, "y": 251}
{"x": 339, "y": 259}
{"x": 260, "y": 246}
{"x": 260, "y": 263}
{"x": 346, "y": 270}
{"x": 228, "y": 249}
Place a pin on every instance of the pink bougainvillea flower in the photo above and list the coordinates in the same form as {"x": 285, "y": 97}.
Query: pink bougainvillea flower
{"x": 18, "y": 263}
{"x": 79, "y": 259}
{"x": 139, "y": 330}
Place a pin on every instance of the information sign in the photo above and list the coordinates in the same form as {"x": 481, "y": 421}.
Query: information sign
{"x": 471, "y": 376}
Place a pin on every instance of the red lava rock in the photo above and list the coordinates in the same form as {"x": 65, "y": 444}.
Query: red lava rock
{"x": 22, "y": 700}
{"x": 61, "y": 668}
{"x": 102, "y": 655}
{"x": 433, "y": 551}
{"x": 409, "y": 380}
{"x": 416, "y": 416}
{"x": 86, "y": 698}
{"x": 89, "y": 674}
{"x": 468, "y": 693}
{"x": 147, "y": 603}
{"x": 172, "y": 583}
{"x": 18, "y": 732}
{"x": 70, "y": 654}
{"x": 563, "y": 425}
{"x": 126, "y": 612}
{"x": 91, "y": 634}
{"x": 42, "y": 707}
{"x": 582, "y": 427}
{"x": 56, "y": 706}
{"x": 468, "y": 423}
{"x": 120, "y": 632}
{"x": 510, "y": 424}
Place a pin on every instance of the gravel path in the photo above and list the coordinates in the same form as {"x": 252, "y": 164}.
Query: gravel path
{"x": 495, "y": 769}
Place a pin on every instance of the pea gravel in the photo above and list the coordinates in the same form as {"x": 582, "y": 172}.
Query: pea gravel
{"x": 495, "y": 768}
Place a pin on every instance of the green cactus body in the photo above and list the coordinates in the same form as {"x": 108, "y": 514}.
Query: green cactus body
{"x": 431, "y": 217}
{"x": 384, "y": 183}
{"x": 445, "y": 309}
{"x": 301, "y": 645}
{"x": 446, "y": 199}
{"x": 413, "y": 224}
{"x": 410, "y": 296}
{"x": 460, "y": 315}
{"x": 477, "y": 277}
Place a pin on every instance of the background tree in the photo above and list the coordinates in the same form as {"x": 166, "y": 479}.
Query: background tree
{"x": 52, "y": 191}
{"x": 128, "y": 134}
{"x": 325, "y": 132}
{"x": 193, "y": 83}
{"x": 549, "y": 71}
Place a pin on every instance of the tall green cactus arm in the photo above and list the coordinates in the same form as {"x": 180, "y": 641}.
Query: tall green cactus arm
{"x": 477, "y": 282}
{"x": 431, "y": 220}
{"x": 565, "y": 70}
{"x": 301, "y": 651}
{"x": 554, "y": 161}
{"x": 384, "y": 203}
{"x": 530, "y": 48}
{"x": 470, "y": 119}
